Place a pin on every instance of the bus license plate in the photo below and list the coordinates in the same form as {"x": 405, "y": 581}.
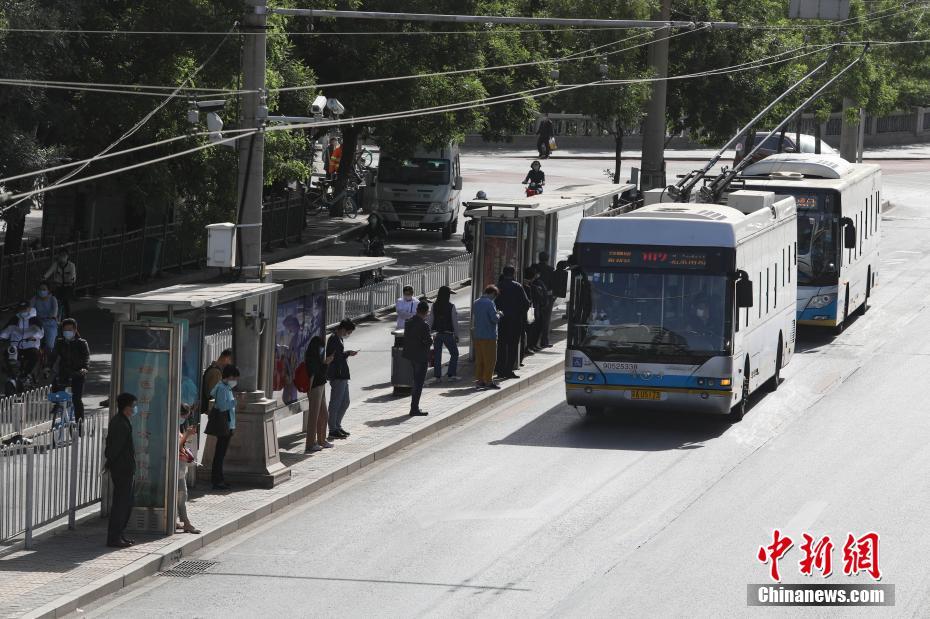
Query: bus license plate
{"x": 645, "y": 394}
{"x": 410, "y": 223}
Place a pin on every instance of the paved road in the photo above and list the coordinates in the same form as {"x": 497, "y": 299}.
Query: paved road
{"x": 532, "y": 510}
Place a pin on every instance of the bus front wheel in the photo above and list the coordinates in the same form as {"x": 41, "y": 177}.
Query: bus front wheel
{"x": 739, "y": 411}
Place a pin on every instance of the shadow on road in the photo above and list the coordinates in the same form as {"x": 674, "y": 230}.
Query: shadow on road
{"x": 563, "y": 426}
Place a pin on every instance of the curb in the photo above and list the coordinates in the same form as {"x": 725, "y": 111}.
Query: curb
{"x": 682, "y": 158}
{"x": 163, "y": 558}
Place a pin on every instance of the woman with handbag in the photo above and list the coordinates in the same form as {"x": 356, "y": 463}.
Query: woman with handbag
{"x": 185, "y": 458}
{"x": 221, "y": 422}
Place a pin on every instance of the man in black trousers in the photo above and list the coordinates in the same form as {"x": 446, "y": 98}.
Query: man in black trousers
{"x": 513, "y": 305}
{"x": 121, "y": 463}
{"x": 417, "y": 342}
{"x": 547, "y": 276}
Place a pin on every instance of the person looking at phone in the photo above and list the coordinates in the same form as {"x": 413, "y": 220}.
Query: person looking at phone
{"x": 338, "y": 375}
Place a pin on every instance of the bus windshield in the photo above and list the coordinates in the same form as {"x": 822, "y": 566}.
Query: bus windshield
{"x": 818, "y": 234}
{"x": 414, "y": 171}
{"x": 618, "y": 312}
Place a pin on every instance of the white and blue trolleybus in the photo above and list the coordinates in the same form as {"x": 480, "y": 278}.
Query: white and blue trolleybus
{"x": 839, "y": 230}
{"x": 682, "y": 306}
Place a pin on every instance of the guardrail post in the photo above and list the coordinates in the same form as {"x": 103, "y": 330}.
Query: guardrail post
{"x": 122, "y": 257}
{"x": 341, "y": 304}
{"x": 448, "y": 274}
{"x": 30, "y": 494}
{"x": 73, "y": 474}
{"x": 423, "y": 284}
{"x": 371, "y": 299}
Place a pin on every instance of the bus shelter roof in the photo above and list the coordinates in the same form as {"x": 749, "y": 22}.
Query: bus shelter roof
{"x": 191, "y": 296}
{"x": 322, "y": 267}
{"x": 556, "y": 200}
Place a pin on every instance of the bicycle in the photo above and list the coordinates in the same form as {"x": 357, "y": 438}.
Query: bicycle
{"x": 62, "y": 416}
{"x": 325, "y": 199}
{"x": 363, "y": 158}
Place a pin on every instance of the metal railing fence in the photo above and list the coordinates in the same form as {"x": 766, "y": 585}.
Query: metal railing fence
{"x": 24, "y": 411}
{"x": 216, "y": 343}
{"x": 51, "y": 478}
{"x": 374, "y": 298}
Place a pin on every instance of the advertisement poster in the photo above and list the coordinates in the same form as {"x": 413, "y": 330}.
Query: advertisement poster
{"x": 501, "y": 248}
{"x": 146, "y": 372}
{"x": 297, "y": 322}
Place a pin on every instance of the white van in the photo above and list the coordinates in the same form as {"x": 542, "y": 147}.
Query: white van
{"x": 422, "y": 192}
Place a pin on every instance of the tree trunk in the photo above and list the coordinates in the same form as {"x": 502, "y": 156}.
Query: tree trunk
{"x": 618, "y": 152}
{"x": 15, "y": 228}
{"x": 346, "y": 164}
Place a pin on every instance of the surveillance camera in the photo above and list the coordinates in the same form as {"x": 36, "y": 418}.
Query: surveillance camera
{"x": 319, "y": 104}
{"x": 335, "y": 107}
{"x": 214, "y": 105}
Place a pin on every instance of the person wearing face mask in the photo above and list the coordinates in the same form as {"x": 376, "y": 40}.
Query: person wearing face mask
{"x": 120, "y": 457}
{"x": 222, "y": 422}
{"x": 185, "y": 458}
{"x": 406, "y": 307}
{"x": 46, "y": 306}
{"x": 338, "y": 374}
{"x": 62, "y": 274}
{"x": 72, "y": 357}
{"x": 24, "y": 333}
{"x": 535, "y": 178}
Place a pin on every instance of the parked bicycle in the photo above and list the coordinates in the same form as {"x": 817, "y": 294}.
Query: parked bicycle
{"x": 363, "y": 158}
{"x": 326, "y": 199}
{"x": 62, "y": 416}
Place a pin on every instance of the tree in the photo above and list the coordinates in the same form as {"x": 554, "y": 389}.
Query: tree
{"x": 363, "y": 56}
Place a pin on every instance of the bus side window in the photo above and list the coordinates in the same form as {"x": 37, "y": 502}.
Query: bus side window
{"x": 775, "y": 288}
{"x": 878, "y": 209}
{"x": 868, "y": 210}
{"x": 795, "y": 253}
{"x": 782, "y": 266}
{"x": 760, "y": 294}
{"x": 789, "y": 264}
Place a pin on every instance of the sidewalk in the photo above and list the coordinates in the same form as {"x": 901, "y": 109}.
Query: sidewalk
{"x": 68, "y": 570}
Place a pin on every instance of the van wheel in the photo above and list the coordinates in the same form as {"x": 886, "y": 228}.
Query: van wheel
{"x": 455, "y": 225}
{"x": 739, "y": 411}
{"x": 447, "y": 232}
{"x": 776, "y": 378}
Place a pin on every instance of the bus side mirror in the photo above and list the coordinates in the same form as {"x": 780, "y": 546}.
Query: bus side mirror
{"x": 457, "y": 183}
{"x": 849, "y": 233}
{"x": 743, "y": 290}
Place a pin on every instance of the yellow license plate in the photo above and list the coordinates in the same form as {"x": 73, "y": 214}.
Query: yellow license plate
{"x": 645, "y": 394}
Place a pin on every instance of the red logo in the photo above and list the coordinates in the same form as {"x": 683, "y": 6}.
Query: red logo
{"x": 859, "y": 555}
{"x": 774, "y": 552}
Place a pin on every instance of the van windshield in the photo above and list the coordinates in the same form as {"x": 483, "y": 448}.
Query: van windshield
{"x": 414, "y": 171}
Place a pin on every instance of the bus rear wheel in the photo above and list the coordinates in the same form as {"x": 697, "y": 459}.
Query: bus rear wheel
{"x": 593, "y": 412}
{"x": 868, "y": 293}
{"x": 776, "y": 378}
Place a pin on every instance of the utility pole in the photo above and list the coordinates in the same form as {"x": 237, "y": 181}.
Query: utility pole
{"x": 251, "y": 181}
{"x": 849, "y": 134}
{"x": 653, "y": 162}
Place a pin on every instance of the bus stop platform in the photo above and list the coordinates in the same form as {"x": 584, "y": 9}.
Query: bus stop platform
{"x": 68, "y": 570}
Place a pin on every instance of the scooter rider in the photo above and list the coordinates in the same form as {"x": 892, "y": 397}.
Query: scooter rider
{"x": 24, "y": 333}
{"x": 535, "y": 178}
{"x": 72, "y": 355}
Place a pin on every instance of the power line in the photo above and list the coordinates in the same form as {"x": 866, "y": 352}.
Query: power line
{"x": 453, "y": 107}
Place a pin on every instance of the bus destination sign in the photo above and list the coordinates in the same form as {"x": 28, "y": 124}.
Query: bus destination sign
{"x": 658, "y": 257}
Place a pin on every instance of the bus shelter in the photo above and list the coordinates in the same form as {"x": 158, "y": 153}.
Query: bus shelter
{"x": 157, "y": 355}
{"x": 302, "y": 313}
{"x": 514, "y": 232}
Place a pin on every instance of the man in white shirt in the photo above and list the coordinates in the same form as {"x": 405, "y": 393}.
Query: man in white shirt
{"x": 406, "y": 307}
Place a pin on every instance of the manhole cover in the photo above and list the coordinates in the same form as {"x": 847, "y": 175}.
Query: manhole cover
{"x": 186, "y": 569}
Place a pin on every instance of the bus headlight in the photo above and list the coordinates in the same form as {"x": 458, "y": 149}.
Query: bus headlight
{"x": 821, "y": 300}
{"x": 436, "y": 207}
